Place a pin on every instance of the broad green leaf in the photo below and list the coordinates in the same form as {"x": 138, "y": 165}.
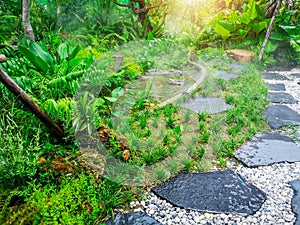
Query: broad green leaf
{"x": 37, "y": 50}
{"x": 75, "y": 52}
{"x": 258, "y": 27}
{"x": 271, "y": 46}
{"x": 245, "y": 18}
{"x": 29, "y": 55}
{"x": 278, "y": 36}
{"x": 150, "y": 36}
{"x": 62, "y": 51}
{"x": 222, "y": 31}
{"x": 111, "y": 99}
{"x": 117, "y": 92}
{"x": 227, "y": 25}
{"x": 43, "y": 65}
{"x": 73, "y": 63}
{"x": 118, "y": 113}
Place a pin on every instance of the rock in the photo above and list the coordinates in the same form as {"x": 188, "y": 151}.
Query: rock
{"x": 276, "y": 87}
{"x": 218, "y": 191}
{"x": 281, "y": 115}
{"x": 118, "y": 61}
{"x": 241, "y": 55}
{"x": 197, "y": 219}
{"x": 273, "y": 76}
{"x": 237, "y": 67}
{"x": 296, "y": 75}
{"x": 295, "y": 184}
{"x": 204, "y": 104}
{"x": 281, "y": 97}
{"x": 2, "y": 58}
{"x": 179, "y": 82}
{"x": 159, "y": 72}
{"x": 226, "y": 75}
{"x": 132, "y": 219}
{"x": 268, "y": 148}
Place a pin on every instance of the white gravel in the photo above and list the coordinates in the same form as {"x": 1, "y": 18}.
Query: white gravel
{"x": 273, "y": 180}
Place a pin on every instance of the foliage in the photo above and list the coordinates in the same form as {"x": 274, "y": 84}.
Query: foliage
{"x": 286, "y": 32}
{"x": 81, "y": 199}
{"x": 237, "y": 26}
{"x": 9, "y": 20}
{"x": 18, "y": 152}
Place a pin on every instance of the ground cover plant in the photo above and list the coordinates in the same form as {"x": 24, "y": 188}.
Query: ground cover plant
{"x": 117, "y": 131}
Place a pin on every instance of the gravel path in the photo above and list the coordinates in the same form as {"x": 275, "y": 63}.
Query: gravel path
{"x": 273, "y": 180}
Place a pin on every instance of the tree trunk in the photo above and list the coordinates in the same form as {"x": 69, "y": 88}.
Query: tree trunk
{"x": 26, "y": 19}
{"x": 30, "y": 104}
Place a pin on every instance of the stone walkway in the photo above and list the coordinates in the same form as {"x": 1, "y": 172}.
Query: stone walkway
{"x": 262, "y": 187}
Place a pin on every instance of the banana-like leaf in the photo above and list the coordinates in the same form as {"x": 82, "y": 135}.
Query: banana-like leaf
{"x": 222, "y": 31}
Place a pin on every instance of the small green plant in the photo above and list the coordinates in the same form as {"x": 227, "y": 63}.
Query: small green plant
{"x": 79, "y": 199}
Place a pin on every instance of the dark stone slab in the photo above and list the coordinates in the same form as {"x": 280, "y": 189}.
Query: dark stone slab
{"x": 132, "y": 219}
{"x": 276, "y": 87}
{"x": 237, "y": 67}
{"x": 281, "y": 115}
{"x": 296, "y": 75}
{"x": 281, "y": 97}
{"x": 226, "y": 75}
{"x": 268, "y": 148}
{"x": 273, "y": 76}
{"x": 295, "y": 184}
{"x": 218, "y": 191}
{"x": 204, "y": 104}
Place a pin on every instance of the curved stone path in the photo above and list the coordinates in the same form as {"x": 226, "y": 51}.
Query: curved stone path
{"x": 261, "y": 187}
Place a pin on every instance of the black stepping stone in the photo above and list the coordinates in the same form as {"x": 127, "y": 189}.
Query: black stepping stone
{"x": 281, "y": 115}
{"x": 204, "y": 104}
{"x": 218, "y": 191}
{"x": 276, "y": 87}
{"x": 268, "y": 148}
{"x": 273, "y": 76}
{"x": 226, "y": 75}
{"x": 295, "y": 184}
{"x": 296, "y": 75}
{"x": 132, "y": 219}
{"x": 237, "y": 67}
{"x": 281, "y": 97}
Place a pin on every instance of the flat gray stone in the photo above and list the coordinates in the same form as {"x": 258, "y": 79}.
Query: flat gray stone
{"x": 281, "y": 115}
{"x": 132, "y": 219}
{"x": 273, "y": 76}
{"x": 296, "y": 75}
{"x": 276, "y": 87}
{"x": 295, "y": 184}
{"x": 226, "y": 75}
{"x": 268, "y": 148}
{"x": 237, "y": 67}
{"x": 205, "y": 104}
{"x": 159, "y": 72}
{"x": 218, "y": 191}
{"x": 281, "y": 97}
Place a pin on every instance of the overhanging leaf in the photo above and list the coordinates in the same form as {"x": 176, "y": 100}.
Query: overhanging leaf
{"x": 258, "y": 27}
{"x": 222, "y": 31}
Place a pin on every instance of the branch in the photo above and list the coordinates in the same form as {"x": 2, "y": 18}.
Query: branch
{"x": 123, "y": 5}
{"x": 30, "y": 104}
{"x": 130, "y": 5}
{"x": 262, "y": 50}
